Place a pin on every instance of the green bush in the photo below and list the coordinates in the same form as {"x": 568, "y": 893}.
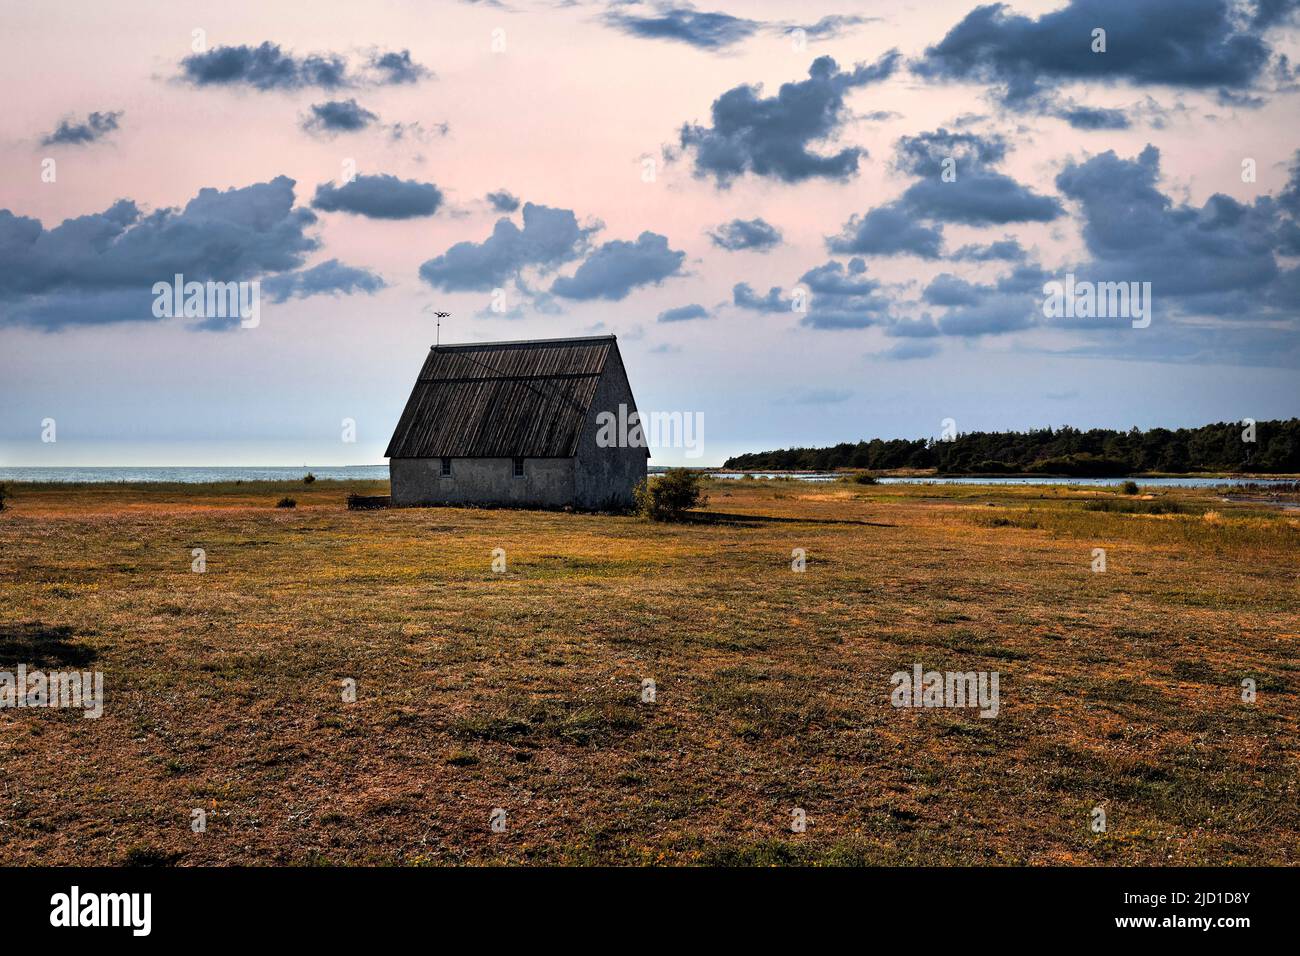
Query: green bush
{"x": 668, "y": 496}
{"x": 308, "y": 478}
{"x": 1129, "y": 488}
{"x": 2, "y": 497}
{"x": 286, "y": 503}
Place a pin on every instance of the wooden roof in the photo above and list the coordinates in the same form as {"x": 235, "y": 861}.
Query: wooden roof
{"x": 502, "y": 399}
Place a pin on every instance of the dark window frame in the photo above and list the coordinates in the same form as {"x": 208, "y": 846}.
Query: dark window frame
{"x": 444, "y": 467}
{"x": 518, "y": 464}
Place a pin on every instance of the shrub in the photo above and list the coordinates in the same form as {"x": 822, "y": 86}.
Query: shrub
{"x": 308, "y": 478}
{"x": 865, "y": 479}
{"x": 671, "y": 494}
{"x": 2, "y": 497}
{"x": 1129, "y": 488}
{"x": 286, "y": 503}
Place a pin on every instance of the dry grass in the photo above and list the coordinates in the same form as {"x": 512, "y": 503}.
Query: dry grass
{"x": 522, "y": 690}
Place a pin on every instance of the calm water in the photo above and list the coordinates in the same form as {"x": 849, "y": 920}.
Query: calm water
{"x": 380, "y": 473}
{"x": 196, "y": 475}
{"x": 1102, "y": 482}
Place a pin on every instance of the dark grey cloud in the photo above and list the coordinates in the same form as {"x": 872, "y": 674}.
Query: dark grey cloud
{"x": 379, "y": 197}
{"x": 1090, "y": 117}
{"x": 1008, "y": 250}
{"x": 549, "y": 238}
{"x": 771, "y": 136}
{"x": 71, "y": 133}
{"x": 330, "y": 277}
{"x": 948, "y": 289}
{"x": 925, "y": 153}
{"x": 888, "y": 230}
{"x": 681, "y": 23}
{"x": 978, "y": 198}
{"x": 740, "y": 234}
{"x": 684, "y": 313}
{"x": 975, "y": 193}
{"x": 1193, "y": 44}
{"x": 833, "y": 25}
{"x": 1133, "y": 231}
{"x": 991, "y": 314}
{"x": 834, "y": 296}
{"x": 268, "y": 67}
{"x": 910, "y": 349}
{"x": 264, "y": 67}
{"x": 616, "y": 268}
{"x": 743, "y": 295}
{"x": 395, "y": 68}
{"x": 958, "y": 184}
{"x": 101, "y": 268}
{"x": 338, "y": 116}
{"x": 503, "y": 201}
{"x": 843, "y": 297}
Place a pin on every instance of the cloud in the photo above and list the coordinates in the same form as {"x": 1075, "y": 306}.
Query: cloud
{"x": 503, "y": 201}
{"x": 1193, "y": 44}
{"x": 617, "y": 267}
{"x": 101, "y": 268}
{"x": 925, "y": 153}
{"x": 1087, "y": 117}
{"x": 843, "y": 298}
{"x": 683, "y": 24}
{"x": 330, "y": 277}
{"x": 740, "y": 234}
{"x": 973, "y": 192}
{"x": 1008, "y": 250}
{"x": 888, "y": 230}
{"x": 771, "y": 136}
{"x": 264, "y": 67}
{"x": 833, "y": 25}
{"x": 958, "y": 184}
{"x": 948, "y": 289}
{"x": 1198, "y": 255}
{"x": 743, "y": 295}
{"x": 910, "y": 349}
{"x": 338, "y": 116}
{"x": 397, "y": 68}
{"x": 549, "y": 238}
{"x": 379, "y": 197}
{"x": 683, "y": 313}
{"x": 96, "y": 127}
{"x": 979, "y": 198}
{"x": 416, "y": 131}
{"x": 267, "y": 67}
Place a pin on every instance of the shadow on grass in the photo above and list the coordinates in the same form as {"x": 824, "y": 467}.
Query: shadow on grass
{"x": 41, "y": 646}
{"x": 722, "y": 517}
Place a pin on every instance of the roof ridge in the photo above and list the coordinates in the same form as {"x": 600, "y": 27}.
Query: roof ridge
{"x": 491, "y": 345}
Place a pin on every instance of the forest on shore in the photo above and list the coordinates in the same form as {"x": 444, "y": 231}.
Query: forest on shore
{"x": 1263, "y": 447}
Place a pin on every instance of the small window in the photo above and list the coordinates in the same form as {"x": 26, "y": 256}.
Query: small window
{"x": 519, "y": 467}
{"x": 446, "y": 467}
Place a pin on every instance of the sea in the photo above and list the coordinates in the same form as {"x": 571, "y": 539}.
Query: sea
{"x": 201, "y": 475}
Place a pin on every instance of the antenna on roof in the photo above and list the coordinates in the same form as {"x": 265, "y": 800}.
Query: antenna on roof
{"x": 438, "y": 335}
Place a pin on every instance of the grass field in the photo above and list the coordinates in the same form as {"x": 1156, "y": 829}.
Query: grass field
{"x": 522, "y": 690}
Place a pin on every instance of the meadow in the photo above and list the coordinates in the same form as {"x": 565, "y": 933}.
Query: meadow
{"x": 523, "y": 690}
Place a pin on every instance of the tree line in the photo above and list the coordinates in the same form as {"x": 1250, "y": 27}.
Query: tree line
{"x": 1101, "y": 452}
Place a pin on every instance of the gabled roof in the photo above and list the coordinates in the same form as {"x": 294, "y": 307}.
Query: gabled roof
{"x": 502, "y": 399}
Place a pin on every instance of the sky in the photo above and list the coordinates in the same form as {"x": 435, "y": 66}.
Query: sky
{"x": 807, "y": 222}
